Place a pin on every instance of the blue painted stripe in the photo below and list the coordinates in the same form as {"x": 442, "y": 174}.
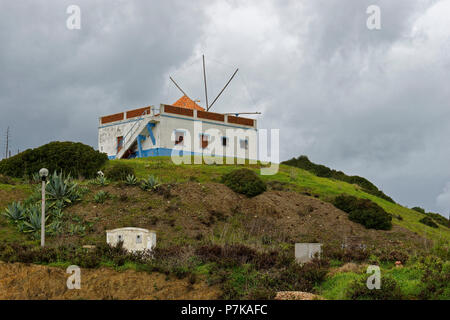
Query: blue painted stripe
{"x": 164, "y": 152}
{"x": 150, "y": 131}
{"x": 140, "y": 138}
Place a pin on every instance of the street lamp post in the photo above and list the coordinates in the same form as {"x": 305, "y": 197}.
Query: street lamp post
{"x": 43, "y": 173}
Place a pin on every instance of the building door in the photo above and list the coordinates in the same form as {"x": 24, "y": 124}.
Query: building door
{"x": 119, "y": 143}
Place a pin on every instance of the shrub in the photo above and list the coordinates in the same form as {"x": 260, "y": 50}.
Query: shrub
{"x": 5, "y": 180}
{"x": 119, "y": 172}
{"x": 434, "y": 218}
{"x": 346, "y": 203}
{"x": 262, "y": 293}
{"x": 73, "y": 158}
{"x": 435, "y": 281}
{"x": 315, "y": 270}
{"x": 439, "y": 219}
{"x": 371, "y": 218}
{"x": 237, "y": 254}
{"x": 364, "y": 211}
{"x": 15, "y": 252}
{"x": 347, "y": 254}
{"x": 441, "y": 249}
{"x": 396, "y": 255}
{"x": 419, "y": 209}
{"x": 428, "y": 222}
{"x": 244, "y": 181}
{"x": 389, "y": 290}
{"x": 296, "y": 277}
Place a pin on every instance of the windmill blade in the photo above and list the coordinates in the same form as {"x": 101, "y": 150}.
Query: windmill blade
{"x": 223, "y": 89}
{"x": 204, "y": 79}
{"x": 179, "y": 88}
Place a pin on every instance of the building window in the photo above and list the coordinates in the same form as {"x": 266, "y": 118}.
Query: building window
{"x": 138, "y": 239}
{"x": 224, "y": 141}
{"x": 244, "y": 144}
{"x": 204, "y": 140}
{"x": 179, "y": 137}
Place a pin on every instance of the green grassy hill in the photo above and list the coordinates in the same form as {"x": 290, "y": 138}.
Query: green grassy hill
{"x": 208, "y": 232}
{"x": 291, "y": 178}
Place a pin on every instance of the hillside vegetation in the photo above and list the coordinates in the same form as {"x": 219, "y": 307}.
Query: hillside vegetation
{"x": 288, "y": 178}
{"x": 319, "y": 170}
{"x": 242, "y": 243}
{"x": 73, "y": 158}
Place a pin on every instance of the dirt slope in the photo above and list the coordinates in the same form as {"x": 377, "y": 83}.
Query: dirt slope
{"x": 193, "y": 212}
{"x": 20, "y": 281}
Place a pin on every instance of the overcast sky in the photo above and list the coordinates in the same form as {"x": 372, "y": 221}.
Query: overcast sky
{"x": 369, "y": 102}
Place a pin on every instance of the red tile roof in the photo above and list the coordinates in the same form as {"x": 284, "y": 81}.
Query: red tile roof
{"x": 185, "y": 102}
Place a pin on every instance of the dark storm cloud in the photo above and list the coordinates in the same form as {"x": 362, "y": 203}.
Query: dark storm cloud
{"x": 56, "y": 82}
{"x": 372, "y": 103}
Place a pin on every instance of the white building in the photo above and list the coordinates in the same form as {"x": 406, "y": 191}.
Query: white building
{"x": 134, "y": 239}
{"x": 151, "y": 131}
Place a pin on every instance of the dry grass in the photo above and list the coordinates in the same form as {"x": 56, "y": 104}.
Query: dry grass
{"x": 20, "y": 281}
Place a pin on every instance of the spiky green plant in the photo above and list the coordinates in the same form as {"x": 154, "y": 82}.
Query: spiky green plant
{"x": 61, "y": 188}
{"x": 57, "y": 213}
{"x": 77, "y": 229}
{"x": 35, "y": 177}
{"x": 101, "y": 181}
{"x": 131, "y": 180}
{"x": 55, "y": 227}
{"x": 15, "y": 212}
{"x": 151, "y": 183}
{"x": 101, "y": 196}
{"x": 32, "y": 224}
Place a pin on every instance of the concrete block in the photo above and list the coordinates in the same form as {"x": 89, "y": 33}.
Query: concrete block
{"x": 134, "y": 239}
{"x": 305, "y": 252}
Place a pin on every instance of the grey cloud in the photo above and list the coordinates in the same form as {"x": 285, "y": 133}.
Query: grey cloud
{"x": 372, "y": 103}
{"x": 57, "y": 82}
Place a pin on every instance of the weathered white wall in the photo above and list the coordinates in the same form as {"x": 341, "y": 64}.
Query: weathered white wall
{"x": 304, "y": 252}
{"x": 130, "y": 239}
{"x": 168, "y": 124}
{"x": 108, "y": 133}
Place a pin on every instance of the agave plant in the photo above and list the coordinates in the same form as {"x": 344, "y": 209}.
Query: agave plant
{"x": 35, "y": 177}
{"x": 131, "y": 180}
{"x": 150, "y": 184}
{"x": 57, "y": 213}
{"x": 55, "y": 227}
{"x": 101, "y": 181}
{"x": 33, "y": 222}
{"x": 101, "y": 196}
{"x": 60, "y": 188}
{"x": 21, "y": 226}
{"x": 15, "y": 212}
{"x": 77, "y": 229}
